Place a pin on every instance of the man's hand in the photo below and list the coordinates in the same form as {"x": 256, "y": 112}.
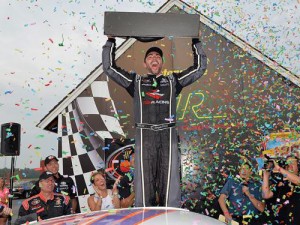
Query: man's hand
{"x": 115, "y": 187}
{"x": 245, "y": 190}
{"x": 276, "y": 166}
{"x": 110, "y": 37}
{"x": 200, "y": 33}
{"x": 266, "y": 172}
{"x": 97, "y": 190}
{"x": 227, "y": 217}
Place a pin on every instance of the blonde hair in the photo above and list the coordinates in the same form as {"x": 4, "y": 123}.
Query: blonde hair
{"x": 99, "y": 172}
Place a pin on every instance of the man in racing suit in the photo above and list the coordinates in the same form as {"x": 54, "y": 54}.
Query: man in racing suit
{"x": 157, "y": 158}
{"x": 63, "y": 183}
{"x": 47, "y": 204}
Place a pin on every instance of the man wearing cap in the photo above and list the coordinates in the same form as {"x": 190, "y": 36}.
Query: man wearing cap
{"x": 157, "y": 159}
{"x": 47, "y": 204}
{"x": 64, "y": 184}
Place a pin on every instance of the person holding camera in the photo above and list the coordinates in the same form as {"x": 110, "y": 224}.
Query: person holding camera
{"x": 282, "y": 191}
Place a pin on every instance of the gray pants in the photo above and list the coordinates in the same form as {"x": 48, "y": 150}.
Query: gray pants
{"x": 157, "y": 168}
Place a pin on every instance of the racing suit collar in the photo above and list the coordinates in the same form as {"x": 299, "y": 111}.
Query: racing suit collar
{"x": 58, "y": 178}
{"x": 44, "y": 199}
{"x": 152, "y": 75}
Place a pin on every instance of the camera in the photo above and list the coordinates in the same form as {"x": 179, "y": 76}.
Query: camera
{"x": 269, "y": 166}
{"x": 269, "y": 163}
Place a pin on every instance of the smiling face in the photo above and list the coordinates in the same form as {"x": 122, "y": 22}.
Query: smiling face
{"x": 245, "y": 172}
{"x": 52, "y": 166}
{"x": 99, "y": 181}
{"x": 47, "y": 185}
{"x": 153, "y": 63}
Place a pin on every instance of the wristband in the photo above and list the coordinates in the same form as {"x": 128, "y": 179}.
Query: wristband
{"x": 226, "y": 213}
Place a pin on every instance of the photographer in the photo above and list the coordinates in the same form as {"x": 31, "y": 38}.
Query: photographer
{"x": 283, "y": 191}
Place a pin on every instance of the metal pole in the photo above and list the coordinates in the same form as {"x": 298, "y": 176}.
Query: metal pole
{"x": 12, "y": 170}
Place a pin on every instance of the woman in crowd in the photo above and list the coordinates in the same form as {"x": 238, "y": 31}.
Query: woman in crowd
{"x": 104, "y": 198}
{"x": 3, "y": 199}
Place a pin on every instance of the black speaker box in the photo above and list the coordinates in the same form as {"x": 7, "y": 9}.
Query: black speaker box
{"x": 134, "y": 24}
{"x": 10, "y": 139}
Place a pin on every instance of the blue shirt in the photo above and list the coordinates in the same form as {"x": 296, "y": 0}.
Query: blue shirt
{"x": 240, "y": 204}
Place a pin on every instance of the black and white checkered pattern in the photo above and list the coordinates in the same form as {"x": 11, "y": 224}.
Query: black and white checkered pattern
{"x": 83, "y": 127}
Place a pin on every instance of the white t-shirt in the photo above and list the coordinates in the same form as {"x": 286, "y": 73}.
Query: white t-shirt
{"x": 106, "y": 202}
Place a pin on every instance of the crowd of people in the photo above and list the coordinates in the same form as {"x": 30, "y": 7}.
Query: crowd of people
{"x": 273, "y": 199}
{"x": 53, "y": 195}
{"x": 243, "y": 199}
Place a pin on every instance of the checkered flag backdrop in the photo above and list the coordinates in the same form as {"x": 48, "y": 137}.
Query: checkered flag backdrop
{"x": 82, "y": 129}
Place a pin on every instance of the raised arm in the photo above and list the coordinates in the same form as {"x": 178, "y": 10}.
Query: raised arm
{"x": 94, "y": 206}
{"x": 288, "y": 175}
{"x": 195, "y": 71}
{"x": 110, "y": 68}
{"x": 266, "y": 192}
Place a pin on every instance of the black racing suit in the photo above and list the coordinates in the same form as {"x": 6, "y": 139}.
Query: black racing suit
{"x": 157, "y": 159}
{"x": 58, "y": 205}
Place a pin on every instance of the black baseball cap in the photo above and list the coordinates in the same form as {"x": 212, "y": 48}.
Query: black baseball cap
{"x": 45, "y": 175}
{"x": 49, "y": 158}
{"x": 154, "y": 49}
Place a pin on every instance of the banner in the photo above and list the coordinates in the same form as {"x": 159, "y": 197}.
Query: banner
{"x": 118, "y": 154}
{"x": 282, "y": 144}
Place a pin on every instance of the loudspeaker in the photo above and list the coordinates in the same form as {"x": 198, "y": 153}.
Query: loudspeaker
{"x": 10, "y": 139}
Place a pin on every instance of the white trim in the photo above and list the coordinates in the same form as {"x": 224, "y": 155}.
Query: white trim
{"x": 113, "y": 69}
{"x": 68, "y": 123}
{"x": 155, "y": 123}
{"x": 59, "y": 125}
{"x": 170, "y": 144}
{"x": 194, "y": 69}
{"x": 140, "y": 97}
{"x": 142, "y": 169}
{"x": 141, "y": 144}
